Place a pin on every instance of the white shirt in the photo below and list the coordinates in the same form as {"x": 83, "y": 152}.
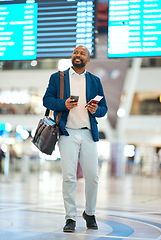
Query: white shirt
{"x": 78, "y": 116}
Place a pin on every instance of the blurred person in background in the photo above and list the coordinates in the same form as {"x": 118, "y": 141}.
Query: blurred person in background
{"x": 2, "y": 155}
{"x": 79, "y": 133}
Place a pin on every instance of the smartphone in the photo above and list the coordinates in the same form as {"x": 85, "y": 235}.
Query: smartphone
{"x": 76, "y": 98}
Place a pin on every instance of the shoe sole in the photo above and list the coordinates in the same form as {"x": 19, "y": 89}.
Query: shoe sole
{"x": 94, "y": 228}
{"x": 68, "y": 230}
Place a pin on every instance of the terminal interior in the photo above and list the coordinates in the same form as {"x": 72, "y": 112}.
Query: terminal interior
{"x": 129, "y": 194}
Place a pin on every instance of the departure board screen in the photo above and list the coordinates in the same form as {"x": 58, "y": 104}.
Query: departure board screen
{"x": 134, "y": 28}
{"x": 33, "y": 29}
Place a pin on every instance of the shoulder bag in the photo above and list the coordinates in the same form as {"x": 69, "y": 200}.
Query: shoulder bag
{"x": 48, "y": 131}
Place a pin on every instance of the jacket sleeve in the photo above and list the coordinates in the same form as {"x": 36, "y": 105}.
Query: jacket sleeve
{"x": 102, "y": 105}
{"x": 51, "y": 99}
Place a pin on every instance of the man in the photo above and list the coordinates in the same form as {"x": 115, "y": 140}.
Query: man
{"x": 79, "y": 133}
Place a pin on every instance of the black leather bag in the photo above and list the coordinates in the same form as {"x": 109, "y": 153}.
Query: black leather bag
{"x": 48, "y": 131}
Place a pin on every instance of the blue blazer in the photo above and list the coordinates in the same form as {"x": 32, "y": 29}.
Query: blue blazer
{"x": 52, "y": 101}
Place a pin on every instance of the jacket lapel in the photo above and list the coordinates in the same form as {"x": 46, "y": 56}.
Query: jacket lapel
{"x": 88, "y": 87}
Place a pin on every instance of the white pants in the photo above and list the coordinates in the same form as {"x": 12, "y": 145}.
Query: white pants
{"x": 79, "y": 144}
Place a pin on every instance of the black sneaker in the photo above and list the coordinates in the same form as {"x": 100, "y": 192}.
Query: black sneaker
{"x": 90, "y": 221}
{"x": 70, "y": 226}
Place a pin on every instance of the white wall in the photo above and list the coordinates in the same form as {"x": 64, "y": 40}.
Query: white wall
{"x": 25, "y": 79}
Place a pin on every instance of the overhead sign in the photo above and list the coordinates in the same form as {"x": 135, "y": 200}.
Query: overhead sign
{"x": 18, "y": 31}
{"x": 134, "y": 28}
{"x": 33, "y": 29}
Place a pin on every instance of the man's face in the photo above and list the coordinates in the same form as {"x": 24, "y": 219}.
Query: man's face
{"x": 80, "y": 57}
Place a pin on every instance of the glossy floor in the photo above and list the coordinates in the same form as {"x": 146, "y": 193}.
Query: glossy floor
{"x": 31, "y": 208}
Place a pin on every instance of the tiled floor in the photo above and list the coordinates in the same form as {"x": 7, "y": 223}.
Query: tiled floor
{"x": 128, "y": 208}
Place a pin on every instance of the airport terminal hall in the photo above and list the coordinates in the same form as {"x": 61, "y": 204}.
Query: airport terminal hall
{"x": 80, "y": 119}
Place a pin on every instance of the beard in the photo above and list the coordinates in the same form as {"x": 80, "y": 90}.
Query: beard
{"x": 78, "y": 65}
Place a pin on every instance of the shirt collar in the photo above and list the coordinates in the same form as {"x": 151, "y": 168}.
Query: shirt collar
{"x": 73, "y": 72}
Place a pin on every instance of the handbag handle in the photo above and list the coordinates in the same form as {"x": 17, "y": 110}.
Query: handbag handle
{"x": 61, "y": 97}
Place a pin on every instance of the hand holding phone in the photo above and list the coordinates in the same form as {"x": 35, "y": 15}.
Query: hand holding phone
{"x": 71, "y": 102}
{"x": 74, "y": 98}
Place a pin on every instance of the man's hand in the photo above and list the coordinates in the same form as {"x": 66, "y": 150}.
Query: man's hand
{"x": 92, "y": 108}
{"x": 70, "y": 104}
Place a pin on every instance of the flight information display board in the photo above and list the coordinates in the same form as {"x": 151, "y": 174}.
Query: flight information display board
{"x": 134, "y": 28}
{"x": 33, "y": 29}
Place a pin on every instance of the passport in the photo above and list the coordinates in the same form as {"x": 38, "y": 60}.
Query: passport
{"x": 94, "y": 100}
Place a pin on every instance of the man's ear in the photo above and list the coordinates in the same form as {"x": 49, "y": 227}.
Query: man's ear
{"x": 88, "y": 60}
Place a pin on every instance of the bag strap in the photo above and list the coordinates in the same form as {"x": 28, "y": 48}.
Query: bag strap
{"x": 61, "y": 97}
{"x": 61, "y": 94}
